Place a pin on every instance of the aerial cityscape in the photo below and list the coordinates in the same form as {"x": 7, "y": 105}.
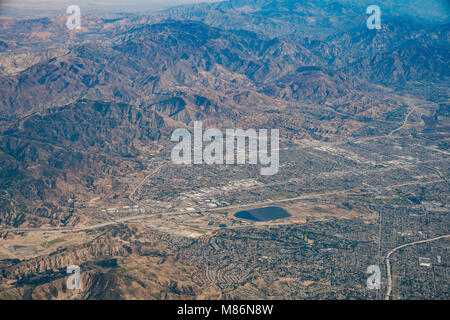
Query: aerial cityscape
{"x": 225, "y": 150}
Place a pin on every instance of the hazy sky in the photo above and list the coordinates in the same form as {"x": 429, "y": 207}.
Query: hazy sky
{"x": 50, "y": 7}
{"x": 54, "y": 7}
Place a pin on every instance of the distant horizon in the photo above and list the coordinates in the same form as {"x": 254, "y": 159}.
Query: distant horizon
{"x": 429, "y": 9}
{"x": 24, "y": 8}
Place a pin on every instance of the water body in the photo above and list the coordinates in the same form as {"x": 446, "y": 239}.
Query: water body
{"x": 263, "y": 214}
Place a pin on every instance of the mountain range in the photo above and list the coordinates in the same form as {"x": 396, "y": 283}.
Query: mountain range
{"x": 74, "y": 103}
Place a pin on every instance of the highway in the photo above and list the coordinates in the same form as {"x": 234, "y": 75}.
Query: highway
{"x": 388, "y": 265}
{"x": 228, "y": 208}
{"x": 131, "y": 196}
{"x": 404, "y": 122}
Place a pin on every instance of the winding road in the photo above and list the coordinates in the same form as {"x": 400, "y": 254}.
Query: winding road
{"x": 404, "y": 122}
{"x": 131, "y": 196}
{"x": 388, "y": 265}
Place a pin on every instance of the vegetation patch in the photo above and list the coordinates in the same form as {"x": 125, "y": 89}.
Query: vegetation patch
{"x": 48, "y": 244}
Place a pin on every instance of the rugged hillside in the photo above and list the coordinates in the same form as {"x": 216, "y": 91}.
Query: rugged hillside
{"x": 85, "y": 121}
{"x": 274, "y": 18}
{"x": 317, "y": 19}
{"x": 183, "y": 60}
{"x": 411, "y": 61}
{"x": 78, "y": 107}
{"x": 137, "y": 263}
{"x": 54, "y": 159}
{"x": 151, "y": 60}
